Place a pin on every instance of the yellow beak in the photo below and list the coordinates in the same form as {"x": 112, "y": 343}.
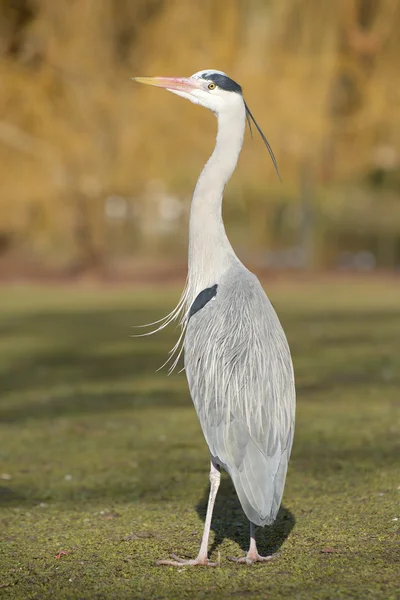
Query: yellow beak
{"x": 180, "y": 84}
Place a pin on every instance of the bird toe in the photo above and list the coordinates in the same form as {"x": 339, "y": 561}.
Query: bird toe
{"x": 182, "y": 562}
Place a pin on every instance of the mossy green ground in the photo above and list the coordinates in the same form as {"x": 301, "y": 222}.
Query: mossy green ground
{"x": 103, "y": 458}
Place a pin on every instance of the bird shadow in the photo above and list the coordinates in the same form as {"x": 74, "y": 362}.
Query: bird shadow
{"x": 229, "y": 522}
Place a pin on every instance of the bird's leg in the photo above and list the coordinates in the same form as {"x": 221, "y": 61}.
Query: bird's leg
{"x": 215, "y": 477}
{"x": 252, "y": 555}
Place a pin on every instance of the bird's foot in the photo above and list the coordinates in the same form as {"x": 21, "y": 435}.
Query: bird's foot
{"x": 251, "y": 558}
{"x": 182, "y": 562}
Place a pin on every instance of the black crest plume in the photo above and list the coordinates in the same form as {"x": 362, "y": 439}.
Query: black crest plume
{"x": 250, "y": 118}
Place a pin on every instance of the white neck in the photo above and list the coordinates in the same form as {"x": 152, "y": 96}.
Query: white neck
{"x": 210, "y": 252}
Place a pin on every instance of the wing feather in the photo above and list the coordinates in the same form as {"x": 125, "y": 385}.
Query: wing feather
{"x": 240, "y": 375}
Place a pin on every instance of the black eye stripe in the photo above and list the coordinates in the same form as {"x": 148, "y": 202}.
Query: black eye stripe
{"x": 223, "y": 82}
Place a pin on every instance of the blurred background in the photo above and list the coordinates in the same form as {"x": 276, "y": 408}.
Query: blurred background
{"x": 100, "y": 455}
{"x": 97, "y": 172}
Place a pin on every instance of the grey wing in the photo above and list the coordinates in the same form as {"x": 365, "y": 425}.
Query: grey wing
{"x": 241, "y": 380}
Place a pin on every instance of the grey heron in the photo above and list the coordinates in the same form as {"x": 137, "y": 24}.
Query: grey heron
{"x": 237, "y": 359}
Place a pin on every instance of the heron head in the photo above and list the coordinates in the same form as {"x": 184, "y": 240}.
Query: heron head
{"x": 212, "y": 89}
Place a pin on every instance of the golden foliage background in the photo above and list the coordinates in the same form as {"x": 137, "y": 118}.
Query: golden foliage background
{"x": 95, "y": 168}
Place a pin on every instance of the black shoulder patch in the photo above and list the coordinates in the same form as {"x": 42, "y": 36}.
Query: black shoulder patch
{"x": 224, "y": 82}
{"x": 202, "y": 299}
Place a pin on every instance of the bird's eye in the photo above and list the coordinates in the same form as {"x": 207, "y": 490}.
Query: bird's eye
{"x": 211, "y": 86}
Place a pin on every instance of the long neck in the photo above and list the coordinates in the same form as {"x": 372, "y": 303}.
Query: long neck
{"x": 210, "y": 252}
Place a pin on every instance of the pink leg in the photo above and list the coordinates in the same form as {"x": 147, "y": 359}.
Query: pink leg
{"x": 215, "y": 477}
{"x": 252, "y": 556}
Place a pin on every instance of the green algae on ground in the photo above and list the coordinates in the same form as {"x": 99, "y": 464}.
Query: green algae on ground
{"x": 103, "y": 458}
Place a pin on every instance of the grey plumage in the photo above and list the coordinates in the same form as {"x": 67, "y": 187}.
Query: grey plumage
{"x": 237, "y": 358}
{"x": 241, "y": 381}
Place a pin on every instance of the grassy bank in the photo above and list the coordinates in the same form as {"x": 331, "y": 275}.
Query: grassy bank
{"x": 103, "y": 458}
